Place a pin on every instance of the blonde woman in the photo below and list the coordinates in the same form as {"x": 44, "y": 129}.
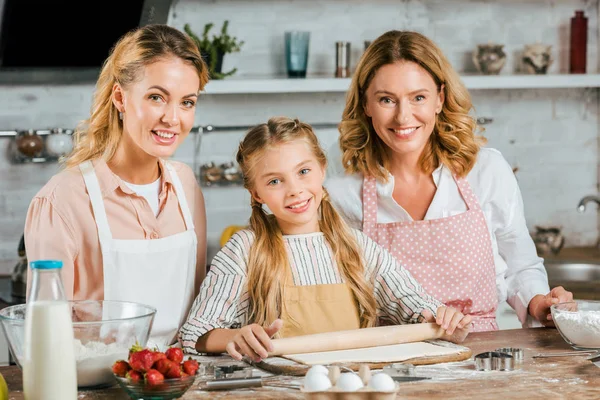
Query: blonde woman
{"x": 298, "y": 269}
{"x": 418, "y": 181}
{"x": 127, "y": 224}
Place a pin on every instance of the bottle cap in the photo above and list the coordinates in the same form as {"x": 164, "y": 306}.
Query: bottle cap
{"x": 46, "y": 264}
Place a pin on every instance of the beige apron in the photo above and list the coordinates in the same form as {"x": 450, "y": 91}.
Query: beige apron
{"x": 317, "y": 308}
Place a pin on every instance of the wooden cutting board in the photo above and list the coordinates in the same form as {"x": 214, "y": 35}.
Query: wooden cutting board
{"x": 284, "y": 366}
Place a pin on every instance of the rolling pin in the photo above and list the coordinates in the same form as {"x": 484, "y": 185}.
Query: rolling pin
{"x": 366, "y": 337}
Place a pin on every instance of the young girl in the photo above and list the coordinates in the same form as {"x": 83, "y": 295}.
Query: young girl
{"x": 299, "y": 269}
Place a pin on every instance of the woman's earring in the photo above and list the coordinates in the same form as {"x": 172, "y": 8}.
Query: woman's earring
{"x": 121, "y": 115}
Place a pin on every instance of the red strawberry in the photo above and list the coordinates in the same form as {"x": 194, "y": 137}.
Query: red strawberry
{"x": 163, "y": 366}
{"x": 134, "y": 376}
{"x": 174, "y": 372}
{"x": 153, "y": 377}
{"x": 158, "y": 355}
{"x": 120, "y": 368}
{"x": 141, "y": 360}
{"x": 190, "y": 366}
{"x": 135, "y": 348}
{"x": 174, "y": 354}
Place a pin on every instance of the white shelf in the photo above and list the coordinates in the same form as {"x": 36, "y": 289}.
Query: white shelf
{"x": 327, "y": 85}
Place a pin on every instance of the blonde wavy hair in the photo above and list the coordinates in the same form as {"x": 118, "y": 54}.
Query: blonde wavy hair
{"x": 453, "y": 141}
{"x": 268, "y": 263}
{"x": 99, "y": 135}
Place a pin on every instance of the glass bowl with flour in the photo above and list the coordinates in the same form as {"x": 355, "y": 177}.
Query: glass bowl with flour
{"x": 104, "y": 331}
{"x": 578, "y": 322}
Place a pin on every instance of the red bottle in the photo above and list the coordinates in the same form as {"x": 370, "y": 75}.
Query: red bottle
{"x": 578, "y": 56}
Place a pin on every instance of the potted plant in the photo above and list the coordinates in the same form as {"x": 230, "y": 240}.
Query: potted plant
{"x": 214, "y": 49}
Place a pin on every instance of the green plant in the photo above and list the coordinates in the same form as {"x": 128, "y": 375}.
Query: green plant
{"x": 213, "y": 49}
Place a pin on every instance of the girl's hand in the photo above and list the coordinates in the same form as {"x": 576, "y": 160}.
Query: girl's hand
{"x": 253, "y": 341}
{"x": 448, "y": 318}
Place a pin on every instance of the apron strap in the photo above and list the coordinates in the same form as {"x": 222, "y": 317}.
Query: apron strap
{"x": 369, "y": 197}
{"x": 467, "y": 193}
{"x": 183, "y": 204}
{"x": 95, "y": 194}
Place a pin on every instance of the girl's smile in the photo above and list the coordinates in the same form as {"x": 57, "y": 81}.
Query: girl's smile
{"x": 288, "y": 179}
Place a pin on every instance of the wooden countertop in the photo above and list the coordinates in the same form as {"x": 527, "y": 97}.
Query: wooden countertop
{"x": 564, "y": 377}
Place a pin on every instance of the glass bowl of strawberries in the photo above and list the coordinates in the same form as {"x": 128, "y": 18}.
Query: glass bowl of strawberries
{"x": 153, "y": 374}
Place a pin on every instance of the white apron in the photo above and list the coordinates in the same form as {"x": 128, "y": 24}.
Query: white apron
{"x": 155, "y": 272}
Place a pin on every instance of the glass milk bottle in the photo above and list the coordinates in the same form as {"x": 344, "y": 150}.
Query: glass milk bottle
{"x": 49, "y": 371}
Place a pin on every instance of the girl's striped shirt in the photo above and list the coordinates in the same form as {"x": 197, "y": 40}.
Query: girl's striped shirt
{"x": 223, "y": 301}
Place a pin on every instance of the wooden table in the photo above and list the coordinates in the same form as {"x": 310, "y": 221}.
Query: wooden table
{"x": 548, "y": 378}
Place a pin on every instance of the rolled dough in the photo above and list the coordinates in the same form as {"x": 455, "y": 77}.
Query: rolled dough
{"x": 391, "y": 353}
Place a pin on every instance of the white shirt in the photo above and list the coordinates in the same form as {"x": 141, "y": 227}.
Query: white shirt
{"x": 150, "y": 192}
{"x": 520, "y": 273}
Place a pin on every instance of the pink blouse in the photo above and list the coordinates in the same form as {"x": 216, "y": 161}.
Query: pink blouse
{"x": 60, "y": 224}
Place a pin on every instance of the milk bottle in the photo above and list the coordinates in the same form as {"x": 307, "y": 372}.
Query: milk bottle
{"x": 49, "y": 371}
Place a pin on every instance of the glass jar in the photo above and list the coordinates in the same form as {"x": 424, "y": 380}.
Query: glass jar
{"x": 49, "y": 350}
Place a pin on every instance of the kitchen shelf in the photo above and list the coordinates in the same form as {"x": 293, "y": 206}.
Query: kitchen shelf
{"x": 265, "y": 85}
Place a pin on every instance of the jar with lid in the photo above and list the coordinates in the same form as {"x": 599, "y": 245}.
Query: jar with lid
{"x": 49, "y": 353}
{"x": 59, "y": 142}
{"x": 29, "y": 143}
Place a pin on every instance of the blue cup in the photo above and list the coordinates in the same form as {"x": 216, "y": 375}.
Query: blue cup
{"x": 296, "y": 53}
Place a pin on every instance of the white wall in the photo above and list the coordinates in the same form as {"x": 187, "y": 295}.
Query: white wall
{"x": 550, "y": 134}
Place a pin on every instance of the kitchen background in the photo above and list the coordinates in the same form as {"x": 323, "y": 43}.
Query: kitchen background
{"x": 550, "y": 135}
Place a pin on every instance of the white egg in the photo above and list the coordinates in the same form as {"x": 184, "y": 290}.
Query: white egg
{"x": 382, "y": 383}
{"x": 318, "y": 369}
{"x": 316, "y": 382}
{"x": 349, "y": 382}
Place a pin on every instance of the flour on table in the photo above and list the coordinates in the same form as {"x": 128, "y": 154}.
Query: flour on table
{"x": 581, "y": 327}
{"x": 391, "y": 353}
{"x": 94, "y": 361}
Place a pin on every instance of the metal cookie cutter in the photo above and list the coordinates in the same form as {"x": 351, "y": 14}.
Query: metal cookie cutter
{"x": 494, "y": 361}
{"x": 517, "y": 353}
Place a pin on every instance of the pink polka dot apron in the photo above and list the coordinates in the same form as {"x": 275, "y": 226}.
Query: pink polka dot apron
{"x": 451, "y": 257}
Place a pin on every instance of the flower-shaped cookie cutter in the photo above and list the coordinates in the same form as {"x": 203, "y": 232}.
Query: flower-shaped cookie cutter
{"x": 516, "y": 352}
{"x": 494, "y": 361}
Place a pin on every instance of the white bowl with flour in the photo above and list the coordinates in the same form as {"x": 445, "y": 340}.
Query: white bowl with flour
{"x": 578, "y": 322}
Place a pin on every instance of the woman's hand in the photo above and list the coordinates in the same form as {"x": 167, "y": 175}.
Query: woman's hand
{"x": 448, "y": 318}
{"x": 539, "y": 306}
{"x": 253, "y": 341}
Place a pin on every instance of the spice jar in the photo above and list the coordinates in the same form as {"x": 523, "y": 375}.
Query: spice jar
{"x": 342, "y": 59}
{"x": 29, "y": 143}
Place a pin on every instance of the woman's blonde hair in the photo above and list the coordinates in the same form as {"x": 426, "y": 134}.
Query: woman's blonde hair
{"x": 99, "y": 135}
{"x": 453, "y": 141}
{"x": 268, "y": 263}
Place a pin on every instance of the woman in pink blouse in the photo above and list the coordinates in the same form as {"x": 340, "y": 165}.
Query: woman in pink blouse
{"x": 127, "y": 224}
